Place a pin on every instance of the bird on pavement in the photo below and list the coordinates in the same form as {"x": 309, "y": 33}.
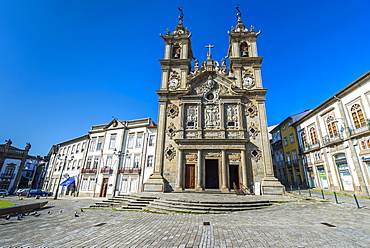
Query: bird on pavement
{"x": 37, "y": 215}
{"x": 19, "y": 217}
{"x": 82, "y": 210}
{"x": 7, "y": 217}
{"x": 49, "y": 212}
{"x": 76, "y": 215}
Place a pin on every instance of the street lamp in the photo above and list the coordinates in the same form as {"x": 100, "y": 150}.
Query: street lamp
{"x": 61, "y": 174}
{"x": 119, "y": 154}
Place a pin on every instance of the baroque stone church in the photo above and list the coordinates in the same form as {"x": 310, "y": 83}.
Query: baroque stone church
{"x": 212, "y": 129}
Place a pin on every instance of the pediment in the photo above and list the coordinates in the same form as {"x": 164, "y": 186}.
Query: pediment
{"x": 114, "y": 124}
{"x": 211, "y": 82}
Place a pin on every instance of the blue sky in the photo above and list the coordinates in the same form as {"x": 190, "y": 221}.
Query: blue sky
{"x": 66, "y": 65}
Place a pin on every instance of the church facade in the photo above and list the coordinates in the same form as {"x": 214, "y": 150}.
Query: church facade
{"x": 212, "y": 130}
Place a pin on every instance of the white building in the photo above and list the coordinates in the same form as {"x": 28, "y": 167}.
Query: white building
{"x": 116, "y": 157}
{"x": 66, "y": 161}
{"x": 335, "y": 140}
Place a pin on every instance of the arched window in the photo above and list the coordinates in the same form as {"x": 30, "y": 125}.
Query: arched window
{"x": 176, "y": 52}
{"x": 303, "y": 138}
{"x": 363, "y": 145}
{"x": 244, "y": 50}
{"x": 332, "y": 126}
{"x": 357, "y": 116}
{"x": 313, "y": 135}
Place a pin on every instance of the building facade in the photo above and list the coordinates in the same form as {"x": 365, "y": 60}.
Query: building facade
{"x": 66, "y": 161}
{"x": 335, "y": 140}
{"x": 288, "y": 166}
{"x": 212, "y": 132}
{"x": 18, "y": 169}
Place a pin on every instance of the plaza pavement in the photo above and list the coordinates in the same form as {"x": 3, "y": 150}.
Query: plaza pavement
{"x": 293, "y": 224}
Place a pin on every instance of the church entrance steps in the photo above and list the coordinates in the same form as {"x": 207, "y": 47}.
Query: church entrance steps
{"x": 191, "y": 202}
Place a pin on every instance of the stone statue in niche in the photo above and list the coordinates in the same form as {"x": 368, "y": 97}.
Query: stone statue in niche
{"x": 191, "y": 117}
{"x": 212, "y": 117}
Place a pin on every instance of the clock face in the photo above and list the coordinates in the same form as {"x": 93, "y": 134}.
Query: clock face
{"x": 248, "y": 80}
{"x": 174, "y": 82}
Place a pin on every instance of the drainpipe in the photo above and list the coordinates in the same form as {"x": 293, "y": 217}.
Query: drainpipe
{"x": 353, "y": 146}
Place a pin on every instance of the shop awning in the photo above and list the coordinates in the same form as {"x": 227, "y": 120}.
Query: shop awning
{"x": 68, "y": 182}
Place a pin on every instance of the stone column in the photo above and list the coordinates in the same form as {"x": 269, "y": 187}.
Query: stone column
{"x": 180, "y": 169}
{"x": 224, "y": 187}
{"x": 244, "y": 177}
{"x": 199, "y": 178}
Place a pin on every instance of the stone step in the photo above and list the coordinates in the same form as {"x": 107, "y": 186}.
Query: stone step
{"x": 208, "y": 208}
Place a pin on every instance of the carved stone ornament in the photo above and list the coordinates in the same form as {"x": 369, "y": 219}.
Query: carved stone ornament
{"x": 170, "y": 152}
{"x": 232, "y": 116}
{"x": 174, "y": 81}
{"x": 235, "y": 157}
{"x": 248, "y": 82}
{"x": 253, "y": 130}
{"x": 251, "y": 110}
{"x": 213, "y": 154}
{"x": 212, "y": 117}
{"x": 248, "y": 79}
{"x": 172, "y": 110}
{"x": 191, "y": 116}
{"x": 256, "y": 155}
{"x": 171, "y": 130}
{"x": 192, "y": 157}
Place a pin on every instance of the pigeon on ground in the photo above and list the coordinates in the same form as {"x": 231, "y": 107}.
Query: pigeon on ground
{"x": 82, "y": 210}
{"x": 7, "y": 217}
{"x": 34, "y": 213}
{"x": 49, "y": 212}
{"x": 37, "y": 215}
{"x": 76, "y": 215}
{"x": 61, "y": 211}
{"x": 19, "y": 217}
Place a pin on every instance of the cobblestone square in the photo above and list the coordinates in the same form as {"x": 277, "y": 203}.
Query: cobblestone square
{"x": 301, "y": 223}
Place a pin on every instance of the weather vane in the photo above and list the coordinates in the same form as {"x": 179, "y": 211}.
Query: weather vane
{"x": 239, "y": 14}
{"x": 181, "y": 16}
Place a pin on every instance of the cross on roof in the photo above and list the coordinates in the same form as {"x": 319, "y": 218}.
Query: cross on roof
{"x": 209, "y": 48}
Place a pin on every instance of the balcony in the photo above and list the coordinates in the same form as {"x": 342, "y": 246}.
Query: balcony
{"x": 7, "y": 175}
{"x": 308, "y": 147}
{"x": 295, "y": 162}
{"x": 132, "y": 170}
{"x": 88, "y": 170}
{"x": 288, "y": 164}
{"x": 326, "y": 140}
{"x": 359, "y": 130}
{"x": 106, "y": 171}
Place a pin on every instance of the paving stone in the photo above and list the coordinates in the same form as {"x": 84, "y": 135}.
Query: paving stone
{"x": 292, "y": 224}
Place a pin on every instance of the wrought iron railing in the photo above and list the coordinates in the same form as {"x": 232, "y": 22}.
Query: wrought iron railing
{"x": 365, "y": 127}
{"x": 308, "y": 147}
{"x": 288, "y": 164}
{"x": 106, "y": 171}
{"x": 7, "y": 175}
{"x": 131, "y": 170}
{"x": 329, "y": 140}
{"x": 89, "y": 170}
